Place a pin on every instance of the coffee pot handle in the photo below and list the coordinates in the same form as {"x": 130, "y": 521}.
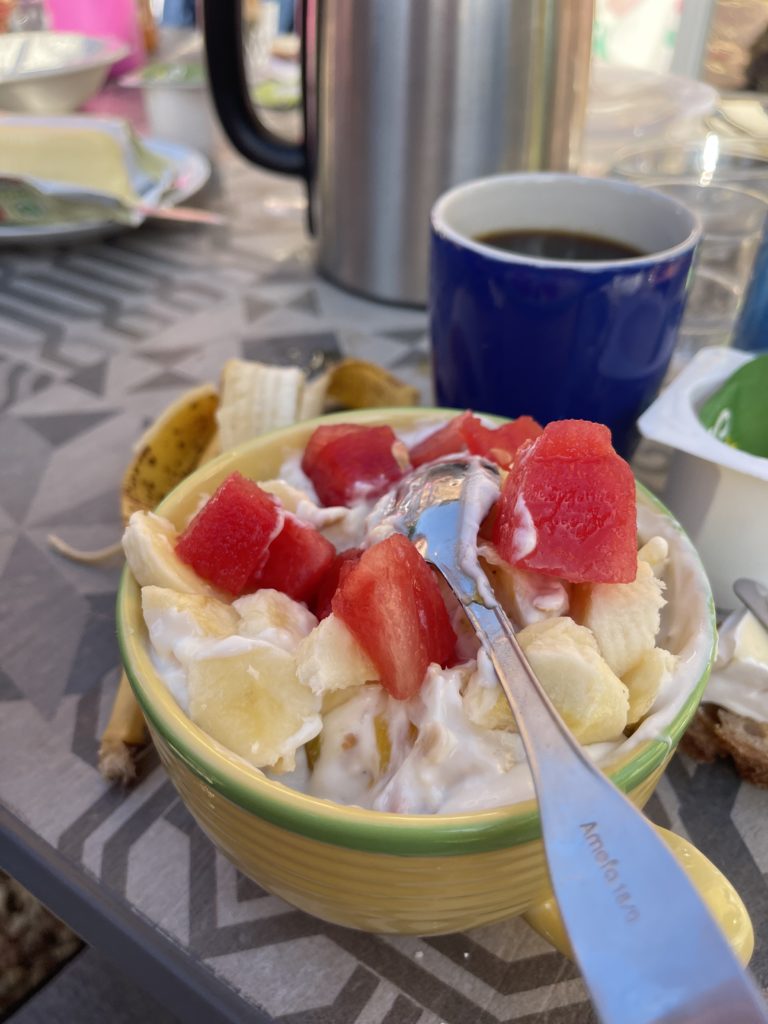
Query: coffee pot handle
{"x": 222, "y": 21}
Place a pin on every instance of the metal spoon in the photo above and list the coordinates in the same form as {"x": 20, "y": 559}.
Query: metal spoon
{"x": 614, "y": 879}
{"x": 754, "y": 596}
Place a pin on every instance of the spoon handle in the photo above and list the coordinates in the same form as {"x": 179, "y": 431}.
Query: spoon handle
{"x": 647, "y": 946}
{"x": 754, "y": 597}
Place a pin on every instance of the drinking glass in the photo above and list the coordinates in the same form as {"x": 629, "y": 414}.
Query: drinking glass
{"x": 711, "y": 160}
{"x": 726, "y": 185}
{"x": 732, "y": 228}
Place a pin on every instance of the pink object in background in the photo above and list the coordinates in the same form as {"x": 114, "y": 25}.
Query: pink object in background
{"x": 116, "y": 18}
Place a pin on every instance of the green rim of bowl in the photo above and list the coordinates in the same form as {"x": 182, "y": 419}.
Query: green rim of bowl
{"x": 352, "y": 827}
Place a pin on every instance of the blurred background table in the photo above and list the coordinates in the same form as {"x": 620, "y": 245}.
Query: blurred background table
{"x": 95, "y": 341}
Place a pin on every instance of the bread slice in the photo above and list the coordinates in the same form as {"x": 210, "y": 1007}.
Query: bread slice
{"x": 715, "y": 732}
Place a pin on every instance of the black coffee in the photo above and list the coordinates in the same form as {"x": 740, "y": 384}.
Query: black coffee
{"x": 559, "y": 245}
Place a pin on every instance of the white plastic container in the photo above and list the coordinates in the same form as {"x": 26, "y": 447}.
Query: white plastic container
{"x": 719, "y": 494}
{"x": 177, "y": 102}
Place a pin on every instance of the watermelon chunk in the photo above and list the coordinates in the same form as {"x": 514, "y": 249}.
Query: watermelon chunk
{"x": 321, "y": 605}
{"x": 446, "y": 441}
{"x": 568, "y": 507}
{"x": 468, "y": 433}
{"x": 500, "y": 444}
{"x": 227, "y": 540}
{"x": 323, "y": 436}
{"x": 298, "y": 559}
{"x": 347, "y": 463}
{"x": 391, "y": 602}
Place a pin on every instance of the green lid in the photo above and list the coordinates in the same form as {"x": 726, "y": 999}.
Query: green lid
{"x": 737, "y": 413}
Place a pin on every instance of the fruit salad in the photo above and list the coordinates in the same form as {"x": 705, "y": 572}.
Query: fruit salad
{"x": 303, "y": 633}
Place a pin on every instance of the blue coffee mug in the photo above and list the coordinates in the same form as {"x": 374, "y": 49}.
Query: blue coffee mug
{"x": 557, "y": 339}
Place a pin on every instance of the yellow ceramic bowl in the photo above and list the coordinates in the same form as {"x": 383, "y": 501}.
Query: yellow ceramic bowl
{"x": 367, "y": 869}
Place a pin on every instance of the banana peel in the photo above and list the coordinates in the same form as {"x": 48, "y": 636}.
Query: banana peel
{"x": 169, "y": 450}
{"x": 124, "y": 734}
{"x": 187, "y": 435}
{"x": 355, "y": 384}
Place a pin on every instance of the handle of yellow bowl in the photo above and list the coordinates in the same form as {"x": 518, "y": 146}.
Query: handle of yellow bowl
{"x": 724, "y": 902}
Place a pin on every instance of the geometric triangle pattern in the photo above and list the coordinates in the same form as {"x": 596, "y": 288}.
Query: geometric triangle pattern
{"x": 164, "y": 381}
{"x": 312, "y": 351}
{"x": 91, "y": 378}
{"x": 96, "y": 340}
{"x": 24, "y": 457}
{"x": 8, "y": 689}
{"x": 62, "y": 428}
{"x": 308, "y": 302}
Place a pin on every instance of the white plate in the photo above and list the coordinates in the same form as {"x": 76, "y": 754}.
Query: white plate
{"x": 627, "y": 106}
{"x": 53, "y": 72}
{"x": 191, "y": 171}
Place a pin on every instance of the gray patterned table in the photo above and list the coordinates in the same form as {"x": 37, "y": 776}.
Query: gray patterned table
{"x": 94, "y": 341}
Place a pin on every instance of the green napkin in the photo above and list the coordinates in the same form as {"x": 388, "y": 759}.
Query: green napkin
{"x": 737, "y": 413}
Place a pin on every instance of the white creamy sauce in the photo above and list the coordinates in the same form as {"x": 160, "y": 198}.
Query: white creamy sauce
{"x": 382, "y": 520}
{"x": 279, "y": 523}
{"x": 480, "y": 494}
{"x": 293, "y": 474}
{"x": 524, "y": 536}
{"x": 174, "y": 675}
{"x": 169, "y": 629}
{"x": 315, "y": 515}
{"x": 343, "y": 527}
{"x": 452, "y": 761}
{"x": 294, "y": 620}
{"x": 298, "y": 778}
{"x": 739, "y": 681}
{"x": 361, "y": 491}
{"x": 349, "y": 760}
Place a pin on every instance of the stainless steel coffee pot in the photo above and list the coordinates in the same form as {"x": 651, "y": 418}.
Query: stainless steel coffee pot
{"x": 402, "y": 100}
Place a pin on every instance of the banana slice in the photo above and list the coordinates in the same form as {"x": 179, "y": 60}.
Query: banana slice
{"x": 148, "y": 542}
{"x": 169, "y": 450}
{"x": 624, "y": 617}
{"x": 656, "y": 553}
{"x": 484, "y": 700}
{"x": 645, "y": 680}
{"x": 592, "y": 700}
{"x": 526, "y": 597}
{"x": 256, "y": 397}
{"x": 274, "y": 618}
{"x": 252, "y": 703}
{"x": 330, "y": 658}
{"x": 172, "y": 618}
